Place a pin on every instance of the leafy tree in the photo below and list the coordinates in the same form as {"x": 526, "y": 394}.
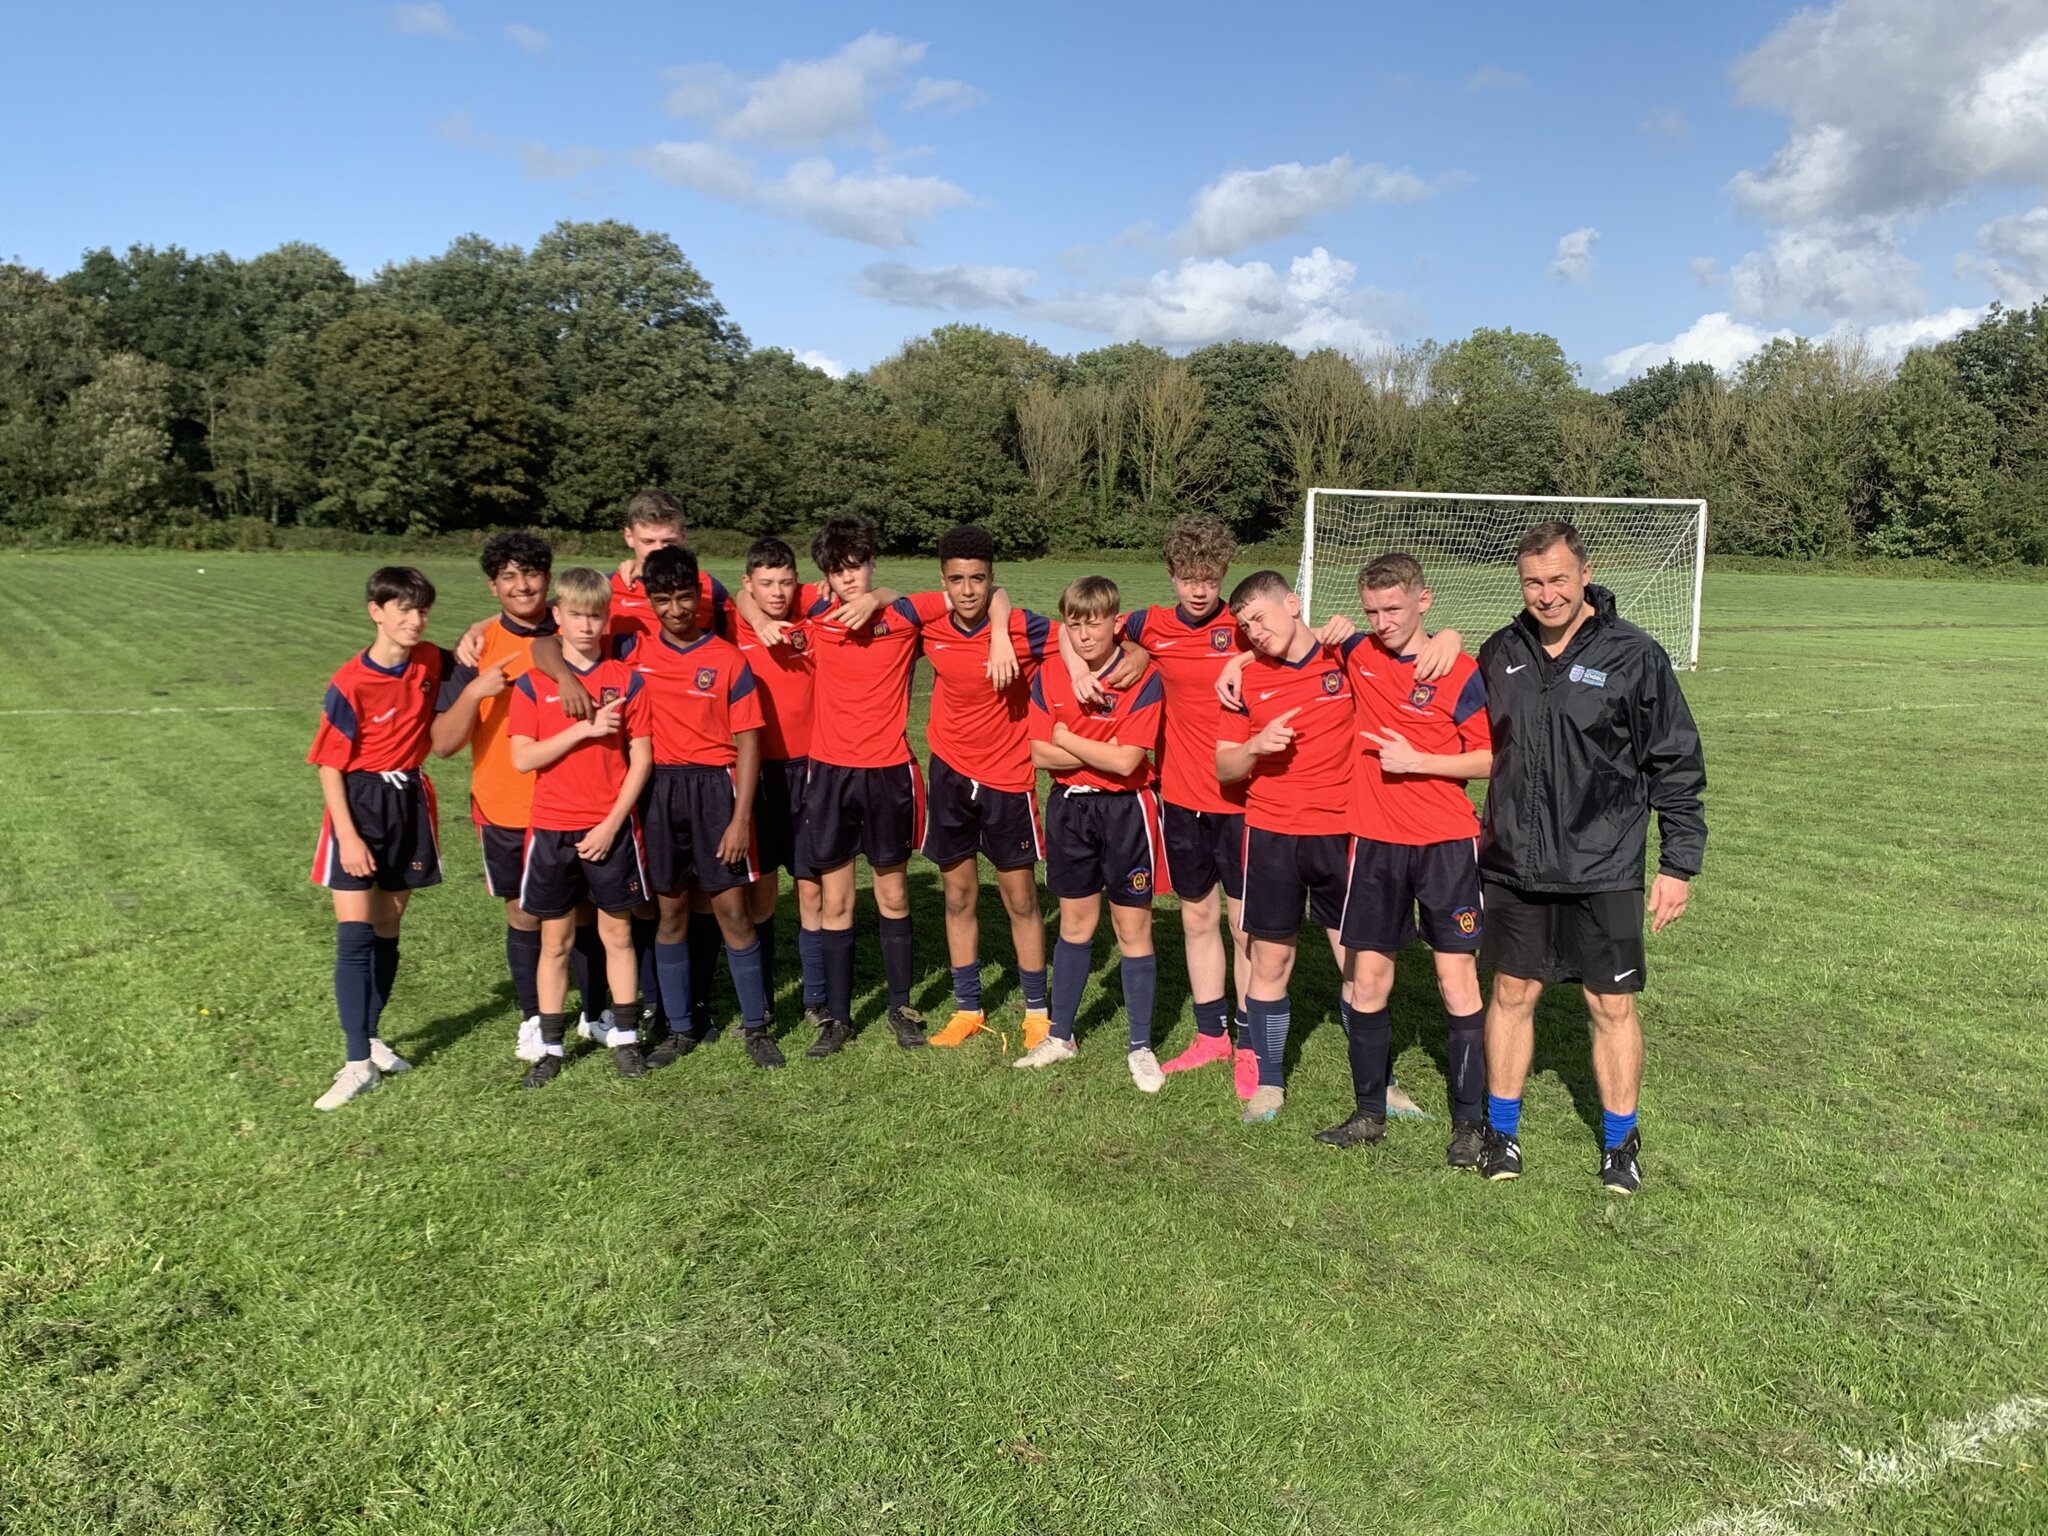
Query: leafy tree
{"x": 1233, "y": 444}
{"x": 1503, "y": 392}
{"x": 1932, "y": 448}
{"x": 1805, "y": 456}
{"x": 47, "y": 352}
{"x": 112, "y": 448}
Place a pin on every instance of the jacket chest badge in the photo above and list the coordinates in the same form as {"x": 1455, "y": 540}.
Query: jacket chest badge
{"x": 1588, "y": 676}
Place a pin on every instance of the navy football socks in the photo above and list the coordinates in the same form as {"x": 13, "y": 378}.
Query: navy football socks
{"x": 1140, "y": 974}
{"x": 1467, "y": 1061}
{"x": 1269, "y": 1023}
{"x": 384, "y": 975}
{"x": 1070, "y": 965}
{"x": 764, "y": 936}
{"x": 355, "y": 984}
{"x": 587, "y": 966}
{"x": 745, "y": 965}
{"x": 522, "y": 959}
{"x": 810, "y": 953}
{"x": 644, "y": 930}
{"x": 1369, "y": 1042}
{"x": 1209, "y": 1017}
{"x": 672, "y": 971}
{"x": 705, "y": 941}
{"x": 1032, "y": 984}
{"x": 836, "y": 954}
{"x": 967, "y": 988}
{"x": 897, "y": 959}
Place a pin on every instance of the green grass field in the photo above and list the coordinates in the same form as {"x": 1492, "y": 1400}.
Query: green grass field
{"x": 914, "y": 1292}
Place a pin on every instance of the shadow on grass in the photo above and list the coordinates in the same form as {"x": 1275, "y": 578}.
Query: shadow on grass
{"x": 426, "y": 1041}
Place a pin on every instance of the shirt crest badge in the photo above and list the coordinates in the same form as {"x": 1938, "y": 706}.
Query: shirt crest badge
{"x": 706, "y": 676}
{"x": 1333, "y": 682}
{"x": 1421, "y": 694}
{"x": 1219, "y": 639}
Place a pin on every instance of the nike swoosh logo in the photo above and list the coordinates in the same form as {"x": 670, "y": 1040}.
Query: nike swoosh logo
{"x": 380, "y": 719}
{"x": 1511, "y": 672}
{"x": 1163, "y": 644}
{"x": 556, "y": 698}
{"x": 1267, "y": 694}
{"x": 1624, "y": 975}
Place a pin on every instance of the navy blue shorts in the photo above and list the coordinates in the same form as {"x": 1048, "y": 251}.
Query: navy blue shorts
{"x": 396, "y": 816}
{"x": 964, "y": 817}
{"x": 1282, "y": 870}
{"x": 685, "y": 812}
{"x": 779, "y": 815}
{"x": 1400, "y": 890}
{"x": 1203, "y": 847}
{"x": 1105, "y": 840}
{"x": 504, "y": 858}
{"x": 557, "y": 880}
{"x": 876, "y": 813}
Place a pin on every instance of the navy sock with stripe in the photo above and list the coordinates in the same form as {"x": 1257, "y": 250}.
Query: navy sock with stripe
{"x": 1369, "y": 1042}
{"x": 1269, "y": 1022}
{"x": 1032, "y": 985}
{"x": 672, "y": 973}
{"x": 967, "y": 988}
{"x": 1467, "y": 1061}
{"x": 1140, "y": 974}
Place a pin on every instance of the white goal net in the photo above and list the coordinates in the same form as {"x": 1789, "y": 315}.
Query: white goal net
{"x": 1650, "y": 553}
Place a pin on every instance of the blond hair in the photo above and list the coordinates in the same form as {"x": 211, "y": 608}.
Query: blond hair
{"x": 582, "y": 590}
{"x": 1090, "y": 597}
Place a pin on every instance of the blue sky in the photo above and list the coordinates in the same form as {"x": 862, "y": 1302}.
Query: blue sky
{"x": 1636, "y": 180}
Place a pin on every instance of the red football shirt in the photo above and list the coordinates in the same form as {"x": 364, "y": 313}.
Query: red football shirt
{"x": 1445, "y": 717}
{"x": 702, "y": 693}
{"x": 632, "y": 614}
{"x": 1131, "y": 718}
{"x": 578, "y": 789}
{"x": 1189, "y": 656}
{"x": 379, "y": 719}
{"x": 1307, "y": 788}
{"x": 862, "y": 682}
{"x": 786, "y": 678}
{"x": 981, "y": 733}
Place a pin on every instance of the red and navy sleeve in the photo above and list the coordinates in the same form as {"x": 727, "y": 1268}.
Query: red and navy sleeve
{"x": 334, "y": 742}
{"x": 522, "y": 710}
{"x": 743, "y": 701}
{"x": 921, "y": 607}
{"x": 1469, "y": 713}
{"x": 1038, "y": 725}
{"x": 1134, "y": 626}
{"x": 721, "y": 607}
{"x": 1146, "y": 716}
{"x": 1034, "y": 629}
{"x": 639, "y": 707}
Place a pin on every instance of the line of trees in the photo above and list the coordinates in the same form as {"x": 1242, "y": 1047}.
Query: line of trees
{"x": 157, "y": 395}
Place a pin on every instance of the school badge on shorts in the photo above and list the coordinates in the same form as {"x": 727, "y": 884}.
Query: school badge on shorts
{"x": 1141, "y": 880}
{"x": 706, "y": 676}
{"x": 1466, "y": 920}
{"x": 1421, "y": 694}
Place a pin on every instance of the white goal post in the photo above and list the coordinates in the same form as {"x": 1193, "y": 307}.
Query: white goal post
{"x": 1650, "y": 552}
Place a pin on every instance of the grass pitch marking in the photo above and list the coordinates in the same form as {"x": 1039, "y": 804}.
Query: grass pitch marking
{"x": 166, "y": 709}
{"x": 1909, "y": 1466}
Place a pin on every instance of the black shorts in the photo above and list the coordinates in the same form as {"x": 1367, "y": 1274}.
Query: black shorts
{"x": 877, "y": 813}
{"x": 1594, "y": 938}
{"x": 1105, "y": 841}
{"x": 1284, "y": 869}
{"x": 1203, "y": 847}
{"x": 685, "y": 812}
{"x": 779, "y": 815}
{"x": 963, "y": 816}
{"x": 1392, "y": 882}
{"x": 504, "y": 858}
{"x": 396, "y": 815}
{"x": 557, "y": 881}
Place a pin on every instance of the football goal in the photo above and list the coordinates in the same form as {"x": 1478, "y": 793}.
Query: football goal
{"x": 1649, "y": 552}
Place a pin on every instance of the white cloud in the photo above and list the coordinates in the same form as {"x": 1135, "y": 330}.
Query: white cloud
{"x": 1573, "y": 262}
{"x": 1244, "y": 208}
{"x": 1718, "y": 339}
{"x": 963, "y": 288}
{"x": 872, "y": 207}
{"x": 425, "y": 21}
{"x": 1668, "y": 124}
{"x": 954, "y": 95}
{"x": 544, "y": 164}
{"x": 802, "y": 103}
{"x": 2017, "y": 248}
{"x": 829, "y": 366}
{"x": 1491, "y": 77}
{"x": 532, "y": 39}
{"x": 1897, "y": 106}
{"x": 1832, "y": 271}
{"x": 1705, "y": 270}
{"x": 1313, "y": 303}
{"x": 1894, "y": 340}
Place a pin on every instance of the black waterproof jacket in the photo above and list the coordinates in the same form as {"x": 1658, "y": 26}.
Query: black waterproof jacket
{"x": 1584, "y": 748}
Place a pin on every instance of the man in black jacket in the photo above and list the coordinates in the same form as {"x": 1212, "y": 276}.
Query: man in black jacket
{"x": 1590, "y": 734}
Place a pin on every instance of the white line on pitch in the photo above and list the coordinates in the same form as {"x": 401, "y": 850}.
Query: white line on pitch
{"x": 1867, "y": 709}
{"x": 168, "y": 709}
{"x": 1916, "y": 1462}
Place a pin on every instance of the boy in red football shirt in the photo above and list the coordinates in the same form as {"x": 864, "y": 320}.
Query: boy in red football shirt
{"x": 700, "y": 806}
{"x": 1415, "y": 847}
{"x": 983, "y": 784}
{"x": 583, "y": 843}
{"x": 1290, "y": 739}
{"x": 1102, "y": 827}
{"x": 378, "y": 839}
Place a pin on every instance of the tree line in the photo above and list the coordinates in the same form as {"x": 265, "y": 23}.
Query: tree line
{"x": 154, "y": 396}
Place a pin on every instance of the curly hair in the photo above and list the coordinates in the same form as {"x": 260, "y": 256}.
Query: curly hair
{"x": 967, "y": 542}
{"x": 515, "y": 546}
{"x": 1198, "y": 546}
{"x": 669, "y": 570}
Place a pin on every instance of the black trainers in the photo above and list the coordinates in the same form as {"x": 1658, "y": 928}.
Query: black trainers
{"x": 628, "y": 1060}
{"x": 1467, "y": 1138}
{"x": 907, "y": 1024}
{"x": 762, "y": 1050}
{"x": 1500, "y": 1157}
{"x": 542, "y": 1072}
{"x": 831, "y": 1039}
{"x": 815, "y": 1016}
{"x": 1361, "y": 1130}
{"x": 1621, "y": 1168}
{"x": 672, "y": 1047}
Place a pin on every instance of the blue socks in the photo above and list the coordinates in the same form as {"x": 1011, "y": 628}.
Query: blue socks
{"x": 522, "y": 959}
{"x": 672, "y": 965}
{"x": 810, "y": 953}
{"x": 355, "y": 984}
{"x": 1369, "y": 1042}
{"x": 967, "y": 988}
{"x": 1209, "y": 1017}
{"x": 1033, "y": 985}
{"x": 835, "y": 954}
{"x": 1070, "y": 966}
{"x": 896, "y": 959}
{"x": 749, "y": 983}
{"x": 1140, "y": 975}
{"x": 1504, "y": 1115}
{"x": 383, "y": 974}
{"x": 1467, "y": 1061}
{"x": 1269, "y": 1022}
{"x": 588, "y": 966}
{"x": 705, "y": 941}
{"x": 764, "y": 935}
{"x": 1615, "y": 1129}
{"x": 651, "y": 1011}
